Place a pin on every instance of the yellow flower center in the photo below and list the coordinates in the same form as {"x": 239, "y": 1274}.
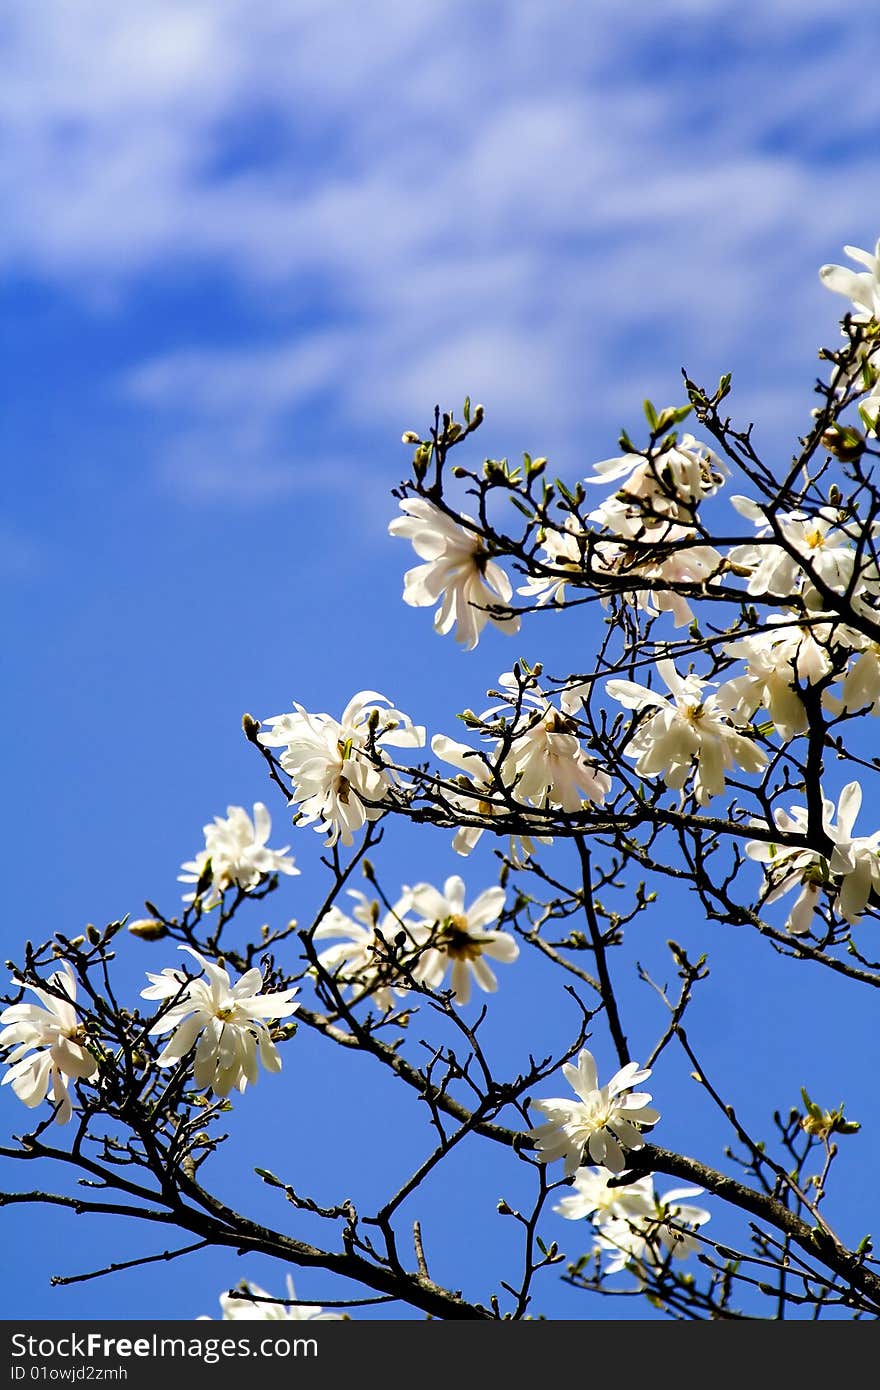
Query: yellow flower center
{"x": 456, "y": 941}
{"x": 815, "y": 539}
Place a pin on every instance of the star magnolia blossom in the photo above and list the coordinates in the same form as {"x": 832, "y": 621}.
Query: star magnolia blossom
{"x": 546, "y": 761}
{"x": 562, "y": 551}
{"x": 479, "y": 797}
{"x": 664, "y": 488}
{"x": 229, "y": 1023}
{"x": 47, "y": 1042}
{"x": 853, "y": 867}
{"x": 861, "y": 287}
{"x": 674, "y": 560}
{"x": 338, "y": 785}
{"x": 457, "y": 936}
{"x": 692, "y": 732}
{"x": 241, "y": 1308}
{"x": 457, "y": 569}
{"x": 361, "y": 962}
{"x": 603, "y": 1121}
{"x": 822, "y": 545}
{"x": 645, "y": 1240}
{"x": 775, "y": 660}
{"x": 594, "y": 1198}
{"x": 239, "y": 856}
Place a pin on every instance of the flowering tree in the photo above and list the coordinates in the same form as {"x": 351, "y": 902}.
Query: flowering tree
{"x": 716, "y": 740}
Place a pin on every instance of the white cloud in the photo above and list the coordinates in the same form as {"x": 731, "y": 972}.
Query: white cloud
{"x": 540, "y": 203}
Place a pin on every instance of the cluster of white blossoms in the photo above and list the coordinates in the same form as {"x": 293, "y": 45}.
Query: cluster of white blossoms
{"x": 338, "y": 766}
{"x": 426, "y": 934}
{"x": 656, "y": 490}
{"x": 862, "y": 289}
{"x": 457, "y": 570}
{"x": 852, "y": 869}
{"x": 228, "y": 1024}
{"x": 237, "y": 853}
{"x": 601, "y": 1123}
{"x": 242, "y": 1307}
{"x": 48, "y": 1045}
{"x": 637, "y": 1228}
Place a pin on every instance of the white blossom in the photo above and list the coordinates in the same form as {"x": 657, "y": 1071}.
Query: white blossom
{"x": 645, "y": 1240}
{"x": 361, "y": 962}
{"x": 479, "y": 796}
{"x": 861, "y": 287}
{"x": 594, "y": 1198}
{"x": 666, "y": 487}
{"x": 820, "y": 544}
{"x": 237, "y": 850}
{"x": 852, "y": 868}
{"x": 47, "y": 1042}
{"x": 338, "y": 785}
{"x": 238, "y": 1307}
{"x": 458, "y": 570}
{"x": 602, "y": 1122}
{"x": 227, "y": 1024}
{"x": 690, "y": 732}
{"x": 457, "y": 936}
{"x": 563, "y": 550}
{"x": 673, "y": 560}
{"x": 546, "y": 761}
{"x": 788, "y": 653}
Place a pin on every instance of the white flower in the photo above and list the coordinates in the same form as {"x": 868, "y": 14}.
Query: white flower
{"x": 230, "y": 1023}
{"x": 861, "y": 684}
{"x": 337, "y": 782}
{"x": 821, "y": 545}
{"x": 47, "y": 1045}
{"x": 603, "y": 1121}
{"x": 457, "y": 936}
{"x": 646, "y": 1240}
{"x": 238, "y": 854}
{"x": 241, "y": 1308}
{"x": 691, "y": 732}
{"x": 862, "y": 287}
{"x": 787, "y": 653}
{"x": 546, "y": 761}
{"x": 362, "y": 961}
{"x": 457, "y": 569}
{"x": 594, "y": 1198}
{"x": 853, "y": 866}
{"x": 675, "y": 559}
{"x": 655, "y": 491}
{"x": 563, "y": 551}
{"x": 479, "y": 797}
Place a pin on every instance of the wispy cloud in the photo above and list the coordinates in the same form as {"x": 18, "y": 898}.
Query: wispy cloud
{"x": 543, "y": 204}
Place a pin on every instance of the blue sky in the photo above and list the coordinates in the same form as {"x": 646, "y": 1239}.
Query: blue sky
{"x": 244, "y": 247}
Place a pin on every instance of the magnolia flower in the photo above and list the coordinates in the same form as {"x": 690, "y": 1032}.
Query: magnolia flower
{"x": 692, "y": 732}
{"x": 479, "y": 797}
{"x": 853, "y": 866}
{"x": 338, "y": 783}
{"x": 361, "y": 962}
{"x": 228, "y": 1022}
{"x": 824, "y": 548}
{"x": 457, "y": 936}
{"x": 593, "y": 1197}
{"x": 238, "y": 854}
{"x": 603, "y": 1121}
{"x": 666, "y": 487}
{"x": 562, "y": 551}
{"x": 861, "y": 287}
{"x": 647, "y": 1239}
{"x": 457, "y": 570}
{"x": 546, "y": 761}
{"x": 674, "y": 560}
{"x": 48, "y": 1044}
{"x": 238, "y": 1307}
{"x": 861, "y": 684}
{"x": 775, "y": 660}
